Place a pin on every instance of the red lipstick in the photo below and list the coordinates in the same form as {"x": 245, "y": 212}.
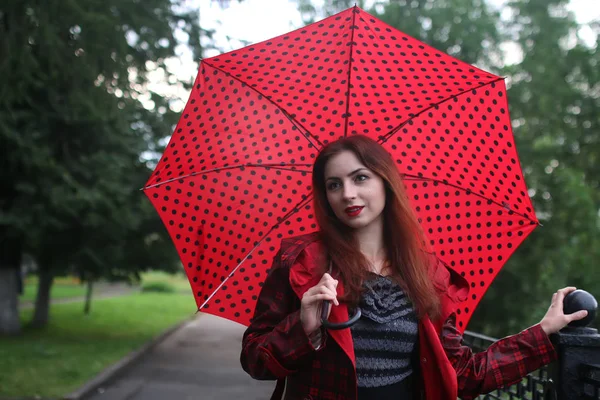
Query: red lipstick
{"x": 353, "y": 211}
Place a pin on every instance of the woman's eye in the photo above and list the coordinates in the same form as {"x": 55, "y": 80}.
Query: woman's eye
{"x": 361, "y": 178}
{"x": 333, "y": 186}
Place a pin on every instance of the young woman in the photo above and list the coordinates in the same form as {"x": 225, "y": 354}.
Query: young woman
{"x": 369, "y": 253}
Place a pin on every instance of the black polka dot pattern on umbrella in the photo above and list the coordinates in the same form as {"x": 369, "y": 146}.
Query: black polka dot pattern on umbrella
{"x": 471, "y": 234}
{"x": 235, "y": 176}
{"x": 217, "y": 218}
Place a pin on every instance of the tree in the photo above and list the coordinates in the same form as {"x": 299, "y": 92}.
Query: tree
{"x": 133, "y": 240}
{"x": 555, "y": 107}
{"x": 465, "y": 29}
{"x": 554, "y": 101}
{"x": 73, "y": 80}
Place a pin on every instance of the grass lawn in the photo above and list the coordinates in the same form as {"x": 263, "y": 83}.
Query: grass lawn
{"x": 65, "y": 287}
{"x": 74, "y": 348}
{"x": 58, "y": 291}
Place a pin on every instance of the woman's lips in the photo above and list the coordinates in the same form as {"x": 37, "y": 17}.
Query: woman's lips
{"x": 353, "y": 211}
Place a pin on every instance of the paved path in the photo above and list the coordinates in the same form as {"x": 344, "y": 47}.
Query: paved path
{"x": 199, "y": 361}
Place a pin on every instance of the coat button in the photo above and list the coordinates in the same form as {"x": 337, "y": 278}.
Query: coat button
{"x": 423, "y": 360}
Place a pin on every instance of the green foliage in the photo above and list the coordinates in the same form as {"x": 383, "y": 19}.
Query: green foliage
{"x": 158, "y": 287}
{"x": 555, "y": 104}
{"x": 554, "y": 97}
{"x": 77, "y": 116}
{"x": 463, "y": 28}
{"x": 179, "y": 280}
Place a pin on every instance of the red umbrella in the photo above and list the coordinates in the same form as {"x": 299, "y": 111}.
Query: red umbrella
{"x": 235, "y": 177}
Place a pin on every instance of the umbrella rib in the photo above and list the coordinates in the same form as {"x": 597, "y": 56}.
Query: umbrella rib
{"x": 305, "y": 132}
{"x": 274, "y": 166}
{"x": 354, "y": 11}
{"x": 302, "y": 203}
{"x": 409, "y": 177}
{"x": 385, "y": 138}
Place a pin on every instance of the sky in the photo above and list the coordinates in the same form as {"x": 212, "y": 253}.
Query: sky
{"x": 258, "y": 20}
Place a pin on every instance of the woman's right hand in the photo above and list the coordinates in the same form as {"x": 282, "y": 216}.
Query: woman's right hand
{"x": 312, "y": 300}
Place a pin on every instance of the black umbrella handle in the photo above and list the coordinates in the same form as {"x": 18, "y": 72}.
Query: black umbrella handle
{"x": 342, "y": 325}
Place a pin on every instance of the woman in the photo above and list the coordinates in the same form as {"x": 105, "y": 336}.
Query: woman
{"x": 405, "y": 345}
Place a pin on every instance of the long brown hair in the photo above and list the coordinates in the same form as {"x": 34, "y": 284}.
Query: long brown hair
{"x": 404, "y": 239}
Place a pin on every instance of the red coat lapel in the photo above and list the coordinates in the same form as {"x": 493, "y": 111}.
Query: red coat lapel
{"x": 307, "y": 260}
{"x": 343, "y": 336}
{"x": 439, "y": 376}
{"x": 305, "y": 272}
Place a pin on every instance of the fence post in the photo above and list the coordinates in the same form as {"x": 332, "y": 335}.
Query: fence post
{"x": 576, "y": 374}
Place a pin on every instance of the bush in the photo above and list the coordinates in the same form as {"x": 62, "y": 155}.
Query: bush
{"x": 158, "y": 287}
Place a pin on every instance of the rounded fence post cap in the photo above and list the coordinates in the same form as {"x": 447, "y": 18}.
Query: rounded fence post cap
{"x": 579, "y": 300}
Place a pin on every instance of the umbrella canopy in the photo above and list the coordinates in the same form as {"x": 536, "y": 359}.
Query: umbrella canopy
{"x": 235, "y": 177}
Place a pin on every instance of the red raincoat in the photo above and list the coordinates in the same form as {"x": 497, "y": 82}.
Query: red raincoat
{"x": 275, "y": 345}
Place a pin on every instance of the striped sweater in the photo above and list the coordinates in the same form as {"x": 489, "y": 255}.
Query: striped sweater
{"x": 385, "y": 335}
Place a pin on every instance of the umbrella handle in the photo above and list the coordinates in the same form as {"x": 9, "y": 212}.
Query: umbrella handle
{"x": 325, "y": 311}
{"x": 337, "y": 326}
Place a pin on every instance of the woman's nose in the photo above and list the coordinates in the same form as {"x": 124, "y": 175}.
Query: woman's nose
{"x": 349, "y": 192}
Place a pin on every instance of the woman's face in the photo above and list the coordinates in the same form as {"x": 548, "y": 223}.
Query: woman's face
{"x": 355, "y": 193}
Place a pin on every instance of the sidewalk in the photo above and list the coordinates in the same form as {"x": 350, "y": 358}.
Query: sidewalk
{"x": 198, "y": 361}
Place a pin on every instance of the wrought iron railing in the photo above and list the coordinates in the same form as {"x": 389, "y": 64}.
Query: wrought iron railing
{"x": 532, "y": 387}
{"x": 575, "y": 375}
{"x": 589, "y": 374}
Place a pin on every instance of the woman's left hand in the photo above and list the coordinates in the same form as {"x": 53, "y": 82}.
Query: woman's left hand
{"x": 555, "y": 319}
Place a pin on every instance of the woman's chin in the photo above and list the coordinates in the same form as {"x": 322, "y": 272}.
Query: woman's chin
{"x": 355, "y": 223}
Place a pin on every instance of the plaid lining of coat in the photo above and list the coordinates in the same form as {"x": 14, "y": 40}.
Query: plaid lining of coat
{"x": 275, "y": 347}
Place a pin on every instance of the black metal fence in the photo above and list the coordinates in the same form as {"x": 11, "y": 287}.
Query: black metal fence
{"x": 575, "y": 374}
{"x": 590, "y": 376}
{"x": 532, "y": 387}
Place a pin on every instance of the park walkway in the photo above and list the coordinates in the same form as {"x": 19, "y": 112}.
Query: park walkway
{"x": 198, "y": 361}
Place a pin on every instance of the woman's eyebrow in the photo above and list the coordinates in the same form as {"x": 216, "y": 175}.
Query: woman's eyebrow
{"x": 350, "y": 174}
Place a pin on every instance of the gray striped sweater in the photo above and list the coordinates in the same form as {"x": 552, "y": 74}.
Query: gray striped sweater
{"x": 385, "y": 335}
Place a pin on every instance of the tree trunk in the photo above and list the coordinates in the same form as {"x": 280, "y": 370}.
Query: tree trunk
{"x": 42, "y": 300}
{"x": 10, "y": 270}
{"x": 10, "y": 323}
{"x": 88, "y": 297}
